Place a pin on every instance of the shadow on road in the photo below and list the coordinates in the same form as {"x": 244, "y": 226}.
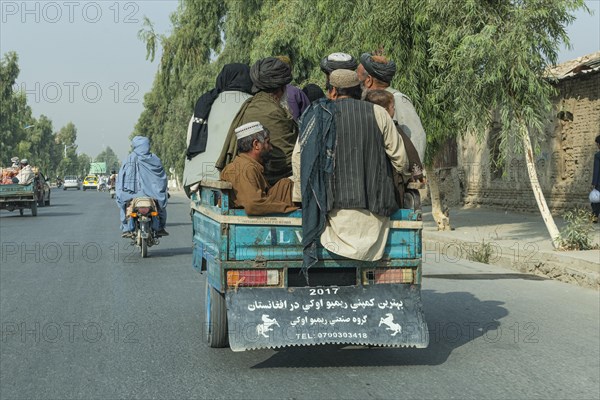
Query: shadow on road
{"x": 170, "y": 252}
{"x": 485, "y": 277}
{"x": 454, "y": 320}
{"x": 42, "y": 213}
{"x": 169, "y": 224}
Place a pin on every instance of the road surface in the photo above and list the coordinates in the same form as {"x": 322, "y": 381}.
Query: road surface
{"x": 83, "y": 316}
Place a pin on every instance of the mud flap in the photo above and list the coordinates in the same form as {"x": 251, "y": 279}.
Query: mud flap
{"x": 379, "y": 315}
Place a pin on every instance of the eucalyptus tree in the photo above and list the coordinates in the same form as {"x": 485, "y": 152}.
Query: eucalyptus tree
{"x": 65, "y": 139}
{"x": 490, "y": 56}
{"x": 458, "y": 61}
{"x": 15, "y": 114}
{"x": 109, "y": 157}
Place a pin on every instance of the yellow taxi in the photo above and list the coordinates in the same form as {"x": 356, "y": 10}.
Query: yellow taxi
{"x": 90, "y": 182}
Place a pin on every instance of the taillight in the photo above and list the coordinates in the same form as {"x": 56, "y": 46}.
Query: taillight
{"x": 390, "y": 275}
{"x": 143, "y": 210}
{"x": 133, "y": 215}
{"x": 252, "y": 277}
{"x": 154, "y": 213}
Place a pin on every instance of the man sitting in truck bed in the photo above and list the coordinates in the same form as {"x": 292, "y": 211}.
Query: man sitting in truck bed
{"x": 348, "y": 149}
{"x": 246, "y": 174}
{"x": 25, "y": 175}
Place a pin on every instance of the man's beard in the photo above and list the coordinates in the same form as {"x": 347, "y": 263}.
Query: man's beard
{"x": 364, "y": 90}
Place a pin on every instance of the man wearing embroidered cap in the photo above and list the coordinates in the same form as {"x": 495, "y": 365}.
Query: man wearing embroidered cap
{"x": 246, "y": 174}
{"x": 376, "y": 72}
{"x": 269, "y": 77}
{"x": 348, "y": 148}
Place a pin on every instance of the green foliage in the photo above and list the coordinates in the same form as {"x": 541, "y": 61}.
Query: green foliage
{"x": 481, "y": 252}
{"x": 457, "y": 60}
{"x": 21, "y": 134}
{"x": 576, "y": 235}
{"x": 109, "y": 157}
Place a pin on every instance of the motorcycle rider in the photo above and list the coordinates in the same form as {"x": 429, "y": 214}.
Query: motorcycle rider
{"x": 142, "y": 175}
{"x": 112, "y": 180}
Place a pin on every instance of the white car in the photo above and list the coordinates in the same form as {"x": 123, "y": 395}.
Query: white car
{"x": 71, "y": 182}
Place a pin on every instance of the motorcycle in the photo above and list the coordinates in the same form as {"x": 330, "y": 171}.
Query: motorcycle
{"x": 102, "y": 187}
{"x": 145, "y": 221}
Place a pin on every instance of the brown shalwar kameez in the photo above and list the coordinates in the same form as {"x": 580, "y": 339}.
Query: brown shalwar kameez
{"x": 251, "y": 190}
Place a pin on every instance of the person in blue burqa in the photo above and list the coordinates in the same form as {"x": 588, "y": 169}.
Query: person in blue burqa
{"x": 142, "y": 175}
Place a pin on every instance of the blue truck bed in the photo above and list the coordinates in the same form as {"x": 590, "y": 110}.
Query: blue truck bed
{"x": 254, "y": 277}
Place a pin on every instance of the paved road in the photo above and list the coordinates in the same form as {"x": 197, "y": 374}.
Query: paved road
{"x": 82, "y": 316}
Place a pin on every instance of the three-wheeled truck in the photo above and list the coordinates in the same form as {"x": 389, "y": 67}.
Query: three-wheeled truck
{"x": 257, "y": 295}
{"x": 19, "y": 197}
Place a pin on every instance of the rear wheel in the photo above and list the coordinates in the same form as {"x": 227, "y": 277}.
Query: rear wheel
{"x": 48, "y": 201}
{"x": 21, "y": 211}
{"x": 65, "y": 188}
{"x": 34, "y": 208}
{"x": 216, "y": 318}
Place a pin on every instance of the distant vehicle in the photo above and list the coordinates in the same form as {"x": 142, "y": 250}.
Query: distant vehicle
{"x": 71, "y": 182}
{"x": 90, "y": 182}
{"x": 20, "y": 197}
{"x": 43, "y": 190}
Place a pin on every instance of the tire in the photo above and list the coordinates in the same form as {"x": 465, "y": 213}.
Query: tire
{"x": 144, "y": 247}
{"x": 21, "y": 211}
{"x": 34, "y": 209}
{"x": 78, "y": 188}
{"x": 64, "y": 188}
{"x": 216, "y": 318}
{"x": 47, "y": 203}
{"x": 84, "y": 189}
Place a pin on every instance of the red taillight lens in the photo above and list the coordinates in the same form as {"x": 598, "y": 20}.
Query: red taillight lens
{"x": 252, "y": 277}
{"x": 143, "y": 210}
{"x": 392, "y": 275}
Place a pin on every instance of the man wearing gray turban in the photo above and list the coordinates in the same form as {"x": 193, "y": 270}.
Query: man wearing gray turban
{"x": 269, "y": 78}
{"x": 377, "y": 72}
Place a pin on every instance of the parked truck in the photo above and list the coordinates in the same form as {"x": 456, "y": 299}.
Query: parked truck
{"x": 258, "y": 296}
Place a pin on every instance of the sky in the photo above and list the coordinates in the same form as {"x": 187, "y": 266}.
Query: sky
{"x": 81, "y": 61}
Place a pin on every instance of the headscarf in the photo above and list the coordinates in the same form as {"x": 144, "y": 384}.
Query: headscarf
{"x": 313, "y": 92}
{"x": 381, "y": 71}
{"x": 142, "y": 174}
{"x": 270, "y": 74}
{"x": 235, "y": 77}
{"x": 338, "y": 61}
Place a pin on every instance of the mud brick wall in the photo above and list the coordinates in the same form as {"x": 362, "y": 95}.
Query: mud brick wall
{"x": 564, "y": 164}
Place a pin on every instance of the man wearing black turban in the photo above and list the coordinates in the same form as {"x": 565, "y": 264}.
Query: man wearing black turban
{"x": 269, "y": 79}
{"x": 377, "y": 72}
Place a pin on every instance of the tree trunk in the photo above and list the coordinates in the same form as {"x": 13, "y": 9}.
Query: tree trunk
{"x": 437, "y": 212}
{"x": 537, "y": 190}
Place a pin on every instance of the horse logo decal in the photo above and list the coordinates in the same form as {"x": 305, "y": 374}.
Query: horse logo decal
{"x": 388, "y": 320}
{"x": 265, "y": 327}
